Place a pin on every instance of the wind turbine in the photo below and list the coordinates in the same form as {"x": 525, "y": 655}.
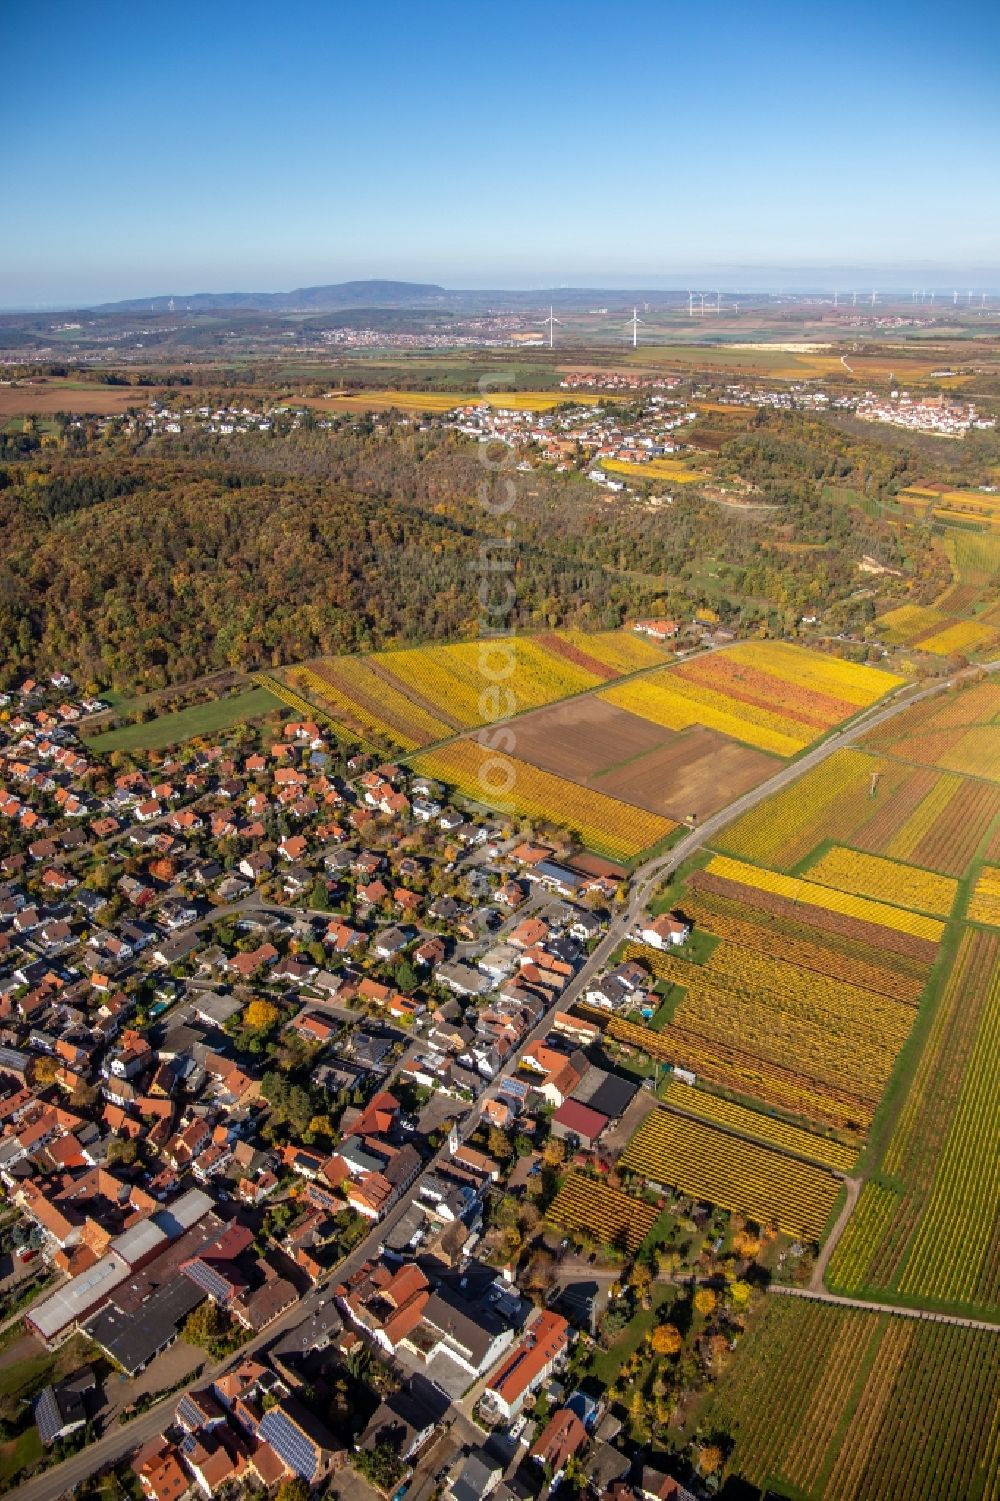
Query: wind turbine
{"x": 690, "y": 304}
{"x": 854, "y": 299}
{"x": 702, "y": 296}
{"x": 634, "y": 322}
{"x": 552, "y": 321}
{"x": 718, "y": 304}
{"x": 970, "y": 299}
{"x": 836, "y": 302}
{"x": 954, "y": 298}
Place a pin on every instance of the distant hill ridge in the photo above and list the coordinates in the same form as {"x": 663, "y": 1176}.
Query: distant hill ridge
{"x": 307, "y": 299}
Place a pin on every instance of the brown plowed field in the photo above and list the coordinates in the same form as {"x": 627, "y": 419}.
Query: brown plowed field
{"x": 44, "y": 399}
{"x": 612, "y": 751}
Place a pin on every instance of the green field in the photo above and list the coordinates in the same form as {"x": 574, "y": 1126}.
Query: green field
{"x": 836, "y": 1404}
{"x": 23, "y": 1379}
{"x": 924, "y": 1230}
{"x": 18, "y": 1454}
{"x": 186, "y": 724}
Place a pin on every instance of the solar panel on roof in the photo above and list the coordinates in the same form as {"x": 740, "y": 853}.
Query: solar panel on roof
{"x": 209, "y": 1280}
{"x": 47, "y": 1415}
{"x": 188, "y": 1412}
{"x": 289, "y": 1443}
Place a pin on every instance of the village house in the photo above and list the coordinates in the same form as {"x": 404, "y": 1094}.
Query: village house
{"x": 668, "y": 931}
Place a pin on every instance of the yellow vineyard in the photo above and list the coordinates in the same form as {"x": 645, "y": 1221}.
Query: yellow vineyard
{"x": 447, "y": 401}
{"x": 984, "y": 905}
{"x": 666, "y": 469}
{"x": 678, "y": 705}
{"x": 766, "y": 1128}
{"x": 416, "y": 696}
{"x": 963, "y": 636}
{"x": 776, "y": 697}
{"x": 813, "y": 894}
{"x": 904, "y": 624}
{"x": 853, "y": 681}
{"x": 603, "y": 1213}
{"x": 705, "y": 1163}
{"x": 885, "y": 880}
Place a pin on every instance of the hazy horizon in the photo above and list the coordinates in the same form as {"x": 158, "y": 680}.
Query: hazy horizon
{"x": 772, "y": 281}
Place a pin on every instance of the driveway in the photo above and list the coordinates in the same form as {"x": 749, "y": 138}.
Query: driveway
{"x": 614, "y": 1138}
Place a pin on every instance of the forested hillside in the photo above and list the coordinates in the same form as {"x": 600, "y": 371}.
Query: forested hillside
{"x": 143, "y": 565}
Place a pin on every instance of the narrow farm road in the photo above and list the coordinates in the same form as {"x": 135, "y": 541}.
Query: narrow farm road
{"x": 854, "y": 1187}
{"x": 894, "y": 1308}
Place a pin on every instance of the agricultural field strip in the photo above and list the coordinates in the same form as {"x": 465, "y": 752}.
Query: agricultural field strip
{"x": 831, "y": 1032}
{"x": 929, "y": 818}
{"x": 604, "y": 824}
{"x": 727, "y": 919}
{"x": 602, "y": 1211}
{"x": 942, "y": 788}
{"x": 885, "y": 947}
{"x": 885, "y": 880}
{"x": 461, "y": 677}
{"x": 378, "y": 708}
{"x": 977, "y": 954}
{"x": 752, "y": 975}
{"x": 848, "y": 1355}
{"x": 847, "y": 1472}
{"x": 871, "y": 1219}
{"x": 700, "y": 1160}
{"x": 875, "y": 1242}
{"x": 763, "y": 1409}
{"x": 984, "y": 904}
{"x": 766, "y": 1129}
{"x": 904, "y": 624}
{"x": 973, "y": 752}
{"x": 423, "y": 696}
{"x": 785, "y": 828}
{"x": 745, "y": 1072}
{"x": 741, "y": 680}
{"x": 770, "y": 695}
{"x": 658, "y": 469}
{"x": 954, "y": 1255}
{"x": 677, "y": 705}
{"x": 832, "y": 1400}
{"x": 810, "y": 893}
{"x": 962, "y": 636}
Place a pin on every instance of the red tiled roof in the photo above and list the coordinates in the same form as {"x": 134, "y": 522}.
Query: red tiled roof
{"x": 580, "y": 1119}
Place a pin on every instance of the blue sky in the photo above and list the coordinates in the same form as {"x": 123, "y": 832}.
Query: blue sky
{"x": 184, "y": 147}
